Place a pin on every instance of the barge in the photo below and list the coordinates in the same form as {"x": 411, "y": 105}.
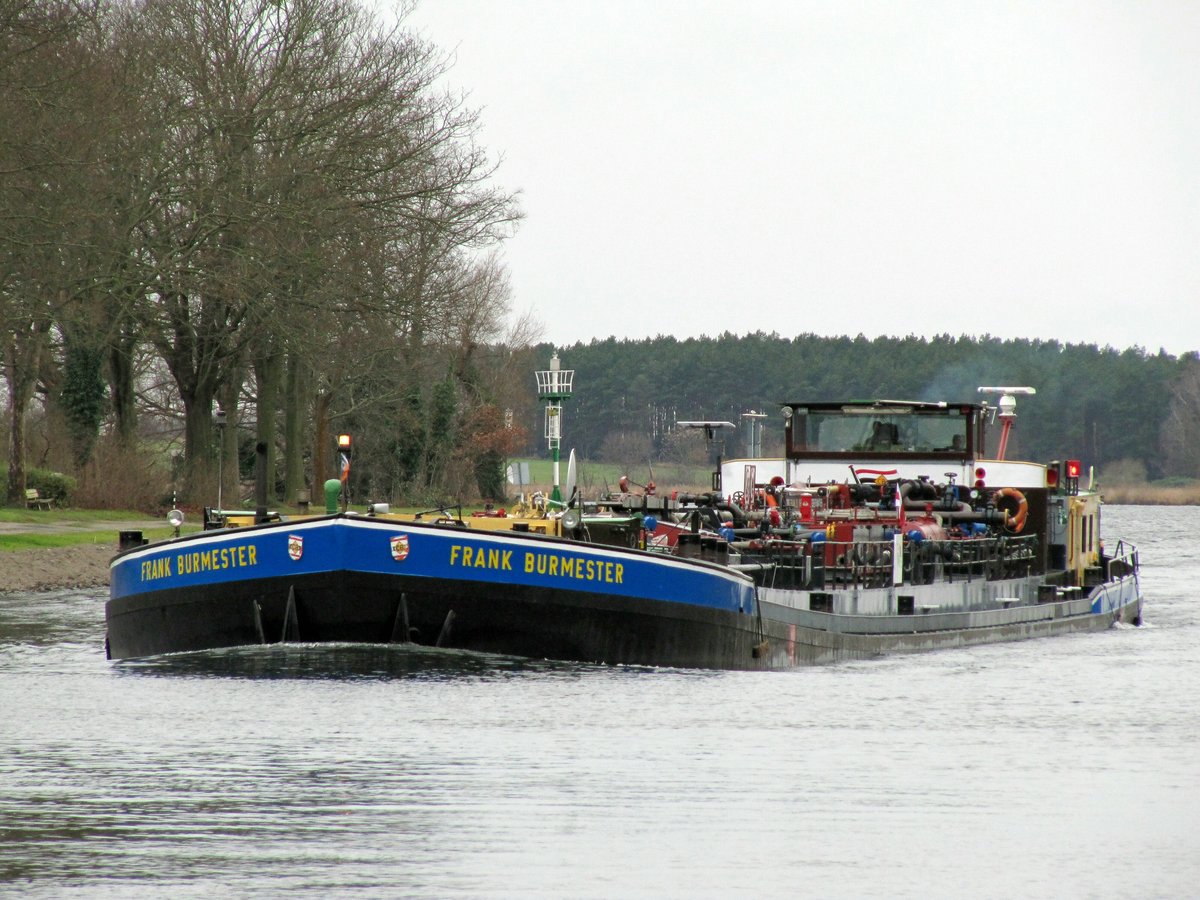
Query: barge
{"x": 885, "y": 528}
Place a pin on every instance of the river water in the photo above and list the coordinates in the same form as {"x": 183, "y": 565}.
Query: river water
{"x": 1065, "y": 767}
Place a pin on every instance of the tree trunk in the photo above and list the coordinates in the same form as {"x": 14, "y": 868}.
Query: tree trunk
{"x": 229, "y": 464}
{"x": 80, "y": 397}
{"x": 294, "y": 443}
{"x": 199, "y": 462}
{"x": 320, "y": 446}
{"x": 202, "y": 364}
{"x": 268, "y": 374}
{"x": 17, "y": 405}
{"x": 22, "y": 358}
{"x": 120, "y": 381}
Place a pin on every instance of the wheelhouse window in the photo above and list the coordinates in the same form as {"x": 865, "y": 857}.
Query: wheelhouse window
{"x": 880, "y": 429}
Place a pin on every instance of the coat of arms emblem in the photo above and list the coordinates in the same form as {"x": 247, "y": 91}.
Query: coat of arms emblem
{"x": 399, "y": 547}
{"x": 295, "y": 546}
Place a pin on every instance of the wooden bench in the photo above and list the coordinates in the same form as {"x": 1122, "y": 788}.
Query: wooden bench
{"x": 34, "y": 500}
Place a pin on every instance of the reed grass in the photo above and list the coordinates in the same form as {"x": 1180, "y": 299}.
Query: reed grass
{"x": 1152, "y": 495}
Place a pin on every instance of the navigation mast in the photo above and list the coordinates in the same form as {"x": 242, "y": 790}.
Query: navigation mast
{"x": 554, "y": 386}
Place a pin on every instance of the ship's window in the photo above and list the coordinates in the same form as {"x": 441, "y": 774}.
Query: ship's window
{"x": 883, "y": 432}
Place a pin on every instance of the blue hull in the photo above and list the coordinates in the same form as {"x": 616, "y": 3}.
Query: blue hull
{"x": 347, "y": 578}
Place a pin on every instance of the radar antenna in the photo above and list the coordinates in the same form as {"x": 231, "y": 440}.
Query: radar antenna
{"x": 1008, "y": 411}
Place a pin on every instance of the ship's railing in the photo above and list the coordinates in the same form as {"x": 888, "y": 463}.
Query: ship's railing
{"x": 819, "y": 565}
{"x": 1122, "y": 562}
{"x": 986, "y": 558}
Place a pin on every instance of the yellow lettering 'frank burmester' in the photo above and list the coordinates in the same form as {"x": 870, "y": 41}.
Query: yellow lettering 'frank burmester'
{"x": 480, "y": 557}
{"x": 557, "y": 566}
{"x": 200, "y": 561}
{"x": 157, "y": 568}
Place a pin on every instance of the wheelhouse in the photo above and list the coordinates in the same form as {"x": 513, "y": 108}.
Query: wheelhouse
{"x": 884, "y": 428}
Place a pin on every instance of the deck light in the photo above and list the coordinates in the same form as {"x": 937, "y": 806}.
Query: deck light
{"x": 344, "y": 452}
{"x": 1073, "y": 469}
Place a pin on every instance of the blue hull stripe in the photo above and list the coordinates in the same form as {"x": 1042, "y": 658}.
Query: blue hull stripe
{"x": 381, "y": 547}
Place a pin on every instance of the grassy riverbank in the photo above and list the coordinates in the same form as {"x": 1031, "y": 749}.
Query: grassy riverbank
{"x": 22, "y": 529}
{"x": 66, "y": 548}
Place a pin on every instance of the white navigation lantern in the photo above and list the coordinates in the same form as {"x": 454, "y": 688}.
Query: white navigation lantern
{"x": 554, "y": 386}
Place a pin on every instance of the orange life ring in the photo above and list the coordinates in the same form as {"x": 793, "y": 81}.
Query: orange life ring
{"x": 1014, "y": 520}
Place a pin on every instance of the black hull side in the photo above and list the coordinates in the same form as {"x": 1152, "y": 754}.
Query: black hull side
{"x": 364, "y": 608}
{"x": 522, "y": 621}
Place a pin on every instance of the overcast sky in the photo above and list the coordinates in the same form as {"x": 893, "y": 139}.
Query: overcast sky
{"x": 1006, "y": 168}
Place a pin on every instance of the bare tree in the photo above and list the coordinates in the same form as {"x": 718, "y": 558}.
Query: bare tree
{"x": 46, "y": 147}
{"x": 299, "y": 147}
{"x": 261, "y": 193}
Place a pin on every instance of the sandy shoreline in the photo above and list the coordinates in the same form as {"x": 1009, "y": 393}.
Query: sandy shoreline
{"x": 51, "y": 568}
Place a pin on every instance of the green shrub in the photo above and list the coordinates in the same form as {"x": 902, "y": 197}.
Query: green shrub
{"x": 52, "y": 485}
